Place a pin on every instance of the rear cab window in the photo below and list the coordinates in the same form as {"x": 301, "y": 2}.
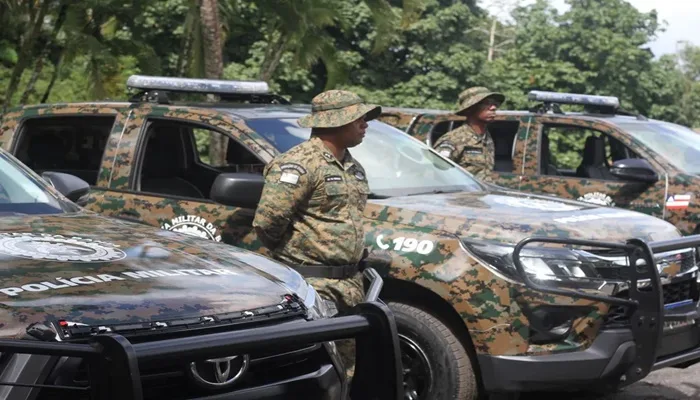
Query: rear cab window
{"x": 71, "y": 144}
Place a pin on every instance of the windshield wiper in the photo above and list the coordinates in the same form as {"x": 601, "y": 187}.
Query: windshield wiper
{"x": 373, "y": 195}
{"x": 436, "y": 191}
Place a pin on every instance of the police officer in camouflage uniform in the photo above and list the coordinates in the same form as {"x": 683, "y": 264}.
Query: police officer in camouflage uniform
{"x": 310, "y": 213}
{"x": 471, "y": 145}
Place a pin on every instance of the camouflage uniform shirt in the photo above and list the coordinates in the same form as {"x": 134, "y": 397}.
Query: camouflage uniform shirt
{"x": 311, "y": 206}
{"x": 467, "y": 148}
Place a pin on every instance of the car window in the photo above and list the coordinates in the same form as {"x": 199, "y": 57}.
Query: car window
{"x": 396, "y": 164}
{"x": 21, "y": 192}
{"x": 177, "y": 161}
{"x": 574, "y": 151}
{"x": 73, "y": 145}
{"x": 679, "y": 145}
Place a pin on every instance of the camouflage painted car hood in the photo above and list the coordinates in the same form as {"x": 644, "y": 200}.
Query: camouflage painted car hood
{"x": 89, "y": 269}
{"x": 509, "y": 217}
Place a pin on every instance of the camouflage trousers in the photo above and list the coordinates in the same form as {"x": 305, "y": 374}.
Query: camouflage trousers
{"x": 345, "y": 293}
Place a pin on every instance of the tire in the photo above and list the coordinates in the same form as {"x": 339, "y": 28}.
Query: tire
{"x": 436, "y": 364}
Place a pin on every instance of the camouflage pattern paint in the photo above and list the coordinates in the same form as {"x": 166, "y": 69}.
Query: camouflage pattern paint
{"x": 490, "y": 306}
{"x": 650, "y": 199}
{"x": 334, "y": 108}
{"x": 141, "y": 278}
{"x": 474, "y": 152}
{"x": 310, "y": 211}
{"x": 473, "y": 96}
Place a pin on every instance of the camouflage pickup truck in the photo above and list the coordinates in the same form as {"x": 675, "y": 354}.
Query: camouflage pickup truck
{"x": 602, "y": 155}
{"x": 494, "y": 291}
{"x": 93, "y": 307}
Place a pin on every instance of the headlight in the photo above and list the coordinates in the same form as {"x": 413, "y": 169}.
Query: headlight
{"x": 317, "y": 306}
{"x": 600, "y": 270}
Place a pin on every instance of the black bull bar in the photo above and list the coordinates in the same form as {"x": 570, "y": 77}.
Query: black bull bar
{"x": 114, "y": 361}
{"x": 646, "y": 302}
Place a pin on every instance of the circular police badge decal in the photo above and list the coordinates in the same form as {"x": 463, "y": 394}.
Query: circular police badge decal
{"x": 537, "y": 204}
{"x": 597, "y": 198}
{"x": 58, "y": 248}
{"x": 194, "y": 226}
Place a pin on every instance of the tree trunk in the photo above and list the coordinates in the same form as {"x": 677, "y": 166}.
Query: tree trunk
{"x": 213, "y": 68}
{"x": 25, "y": 53}
{"x": 492, "y": 40}
{"x": 272, "y": 58}
{"x": 39, "y": 65}
{"x": 54, "y": 76}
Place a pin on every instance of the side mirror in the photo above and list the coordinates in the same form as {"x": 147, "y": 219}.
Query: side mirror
{"x": 634, "y": 169}
{"x": 68, "y": 185}
{"x": 239, "y": 189}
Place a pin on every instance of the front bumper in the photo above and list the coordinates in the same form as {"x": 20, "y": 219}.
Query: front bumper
{"x": 606, "y": 360}
{"x": 658, "y": 334}
{"x": 323, "y": 384}
{"x": 124, "y": 370}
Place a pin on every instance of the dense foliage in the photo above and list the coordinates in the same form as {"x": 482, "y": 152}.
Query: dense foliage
{"x": 415, "y": 53}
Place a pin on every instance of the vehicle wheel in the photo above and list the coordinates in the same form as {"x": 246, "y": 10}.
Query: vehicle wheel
{"x": 436, "y": 365}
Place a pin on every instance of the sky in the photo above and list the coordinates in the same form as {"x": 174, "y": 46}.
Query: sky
{"x": 682, "y": 19}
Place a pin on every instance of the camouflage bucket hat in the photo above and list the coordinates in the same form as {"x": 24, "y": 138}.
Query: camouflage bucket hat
{"x": 337, "y": 108}
{"x": 472, "y": 96}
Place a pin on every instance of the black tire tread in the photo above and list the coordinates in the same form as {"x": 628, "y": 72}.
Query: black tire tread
{"x": 467, "y": 387}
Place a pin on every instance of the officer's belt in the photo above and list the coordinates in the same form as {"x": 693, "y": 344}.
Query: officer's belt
{"x": 327, "y": 271}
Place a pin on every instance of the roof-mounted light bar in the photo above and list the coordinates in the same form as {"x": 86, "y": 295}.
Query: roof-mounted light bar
{"x": 192, "y": 85}
{"x": 572, "y": 98}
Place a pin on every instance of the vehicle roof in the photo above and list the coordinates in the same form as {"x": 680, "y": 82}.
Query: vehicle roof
{"x": 254, "y": 111}
{"x": 415, "y": 110}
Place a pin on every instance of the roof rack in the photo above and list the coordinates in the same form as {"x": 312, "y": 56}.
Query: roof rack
{"x": 592, "y": 104}
{"x": 155, "y": 89}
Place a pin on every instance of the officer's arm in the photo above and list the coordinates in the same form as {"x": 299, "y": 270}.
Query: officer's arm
{"x": 449, "y": 149}
{"x": 287, "y": 186}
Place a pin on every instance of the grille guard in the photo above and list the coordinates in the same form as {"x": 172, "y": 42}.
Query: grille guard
{"x": 648, "y": 314}
{"x": 114, "y": 361}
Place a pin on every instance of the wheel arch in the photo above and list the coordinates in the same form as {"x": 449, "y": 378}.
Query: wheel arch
{"x": 421, "y": 297}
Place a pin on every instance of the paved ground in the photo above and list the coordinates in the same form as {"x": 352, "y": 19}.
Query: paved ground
{"x": 665, "y": 384}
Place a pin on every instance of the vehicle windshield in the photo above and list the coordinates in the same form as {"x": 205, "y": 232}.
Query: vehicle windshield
{"x": 679, "y": 145}
{"x": 396, "y": 164}
{"x": 22, "y": 193}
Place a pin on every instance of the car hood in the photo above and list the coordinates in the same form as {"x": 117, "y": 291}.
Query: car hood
{"x": 506, "y": 216}
{"x": 90, "y": 269}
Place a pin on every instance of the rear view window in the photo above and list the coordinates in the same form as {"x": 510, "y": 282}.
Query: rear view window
{"x": 73, "y": 145}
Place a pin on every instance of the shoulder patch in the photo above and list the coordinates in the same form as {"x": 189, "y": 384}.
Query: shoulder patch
{"x": 289, "y": 177}
{"x": 293, "y": 166}
{"x": 328, "y": 156}
{"x": 334, "y": 178}
{"x": 359, "y": 175}
{"x": 446, "y": 145}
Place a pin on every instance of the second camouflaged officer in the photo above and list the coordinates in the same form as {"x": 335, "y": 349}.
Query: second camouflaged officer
{"x": 471, "y": 145}
{"x": 310, "y": 213}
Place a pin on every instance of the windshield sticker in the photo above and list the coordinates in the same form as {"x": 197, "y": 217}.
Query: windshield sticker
{"x": 597, "y": 198}
{"x": 407, "y": 244}
{"x": 194, "y": 226}
{"x": 678, "y": 202}
{"x": 62, "y": 283}
{"x": 592, "y": 217}
{"x": 537, "y": 204}
{"x": 58, "y": 248}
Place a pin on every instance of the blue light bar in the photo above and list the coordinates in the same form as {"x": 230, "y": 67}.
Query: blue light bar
{"x": 571, "y": 98}
{"x": 191, "y": 85}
